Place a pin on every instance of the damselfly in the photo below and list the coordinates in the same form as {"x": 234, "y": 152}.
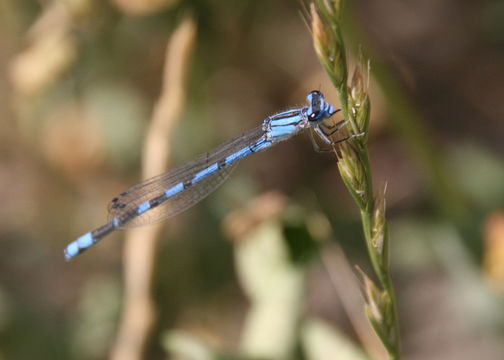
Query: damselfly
{"x": 168, "y": 194}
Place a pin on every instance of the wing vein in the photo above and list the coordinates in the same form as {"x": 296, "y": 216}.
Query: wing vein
{"x": 128, "y": 202}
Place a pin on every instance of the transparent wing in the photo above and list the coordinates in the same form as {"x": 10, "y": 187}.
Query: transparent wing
{"x": 129, "y": 200}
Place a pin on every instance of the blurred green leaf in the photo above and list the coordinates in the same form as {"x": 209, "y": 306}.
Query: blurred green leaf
{"x": 480, "y": 174}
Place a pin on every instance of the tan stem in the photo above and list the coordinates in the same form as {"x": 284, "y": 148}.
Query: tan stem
{"x": 137, "y": 317}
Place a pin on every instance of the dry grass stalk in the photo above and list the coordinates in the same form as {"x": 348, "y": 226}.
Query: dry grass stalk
{"x": 138, "y": 310}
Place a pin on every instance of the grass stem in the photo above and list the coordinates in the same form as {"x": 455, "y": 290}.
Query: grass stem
{"x": 354, "y": 167}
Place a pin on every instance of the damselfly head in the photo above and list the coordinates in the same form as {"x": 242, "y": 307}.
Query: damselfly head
{"x": 318, "y": 109}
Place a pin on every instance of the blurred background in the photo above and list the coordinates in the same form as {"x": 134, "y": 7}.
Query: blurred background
{"x": 264, "y": 267}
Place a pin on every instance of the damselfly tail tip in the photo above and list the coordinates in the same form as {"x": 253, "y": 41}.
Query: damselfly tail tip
{"x": 70, "y": 252}
{"x": 76, "y": 247}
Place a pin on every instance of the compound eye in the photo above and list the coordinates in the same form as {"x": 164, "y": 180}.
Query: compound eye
{"x": 314, "y": 116}
{"x": 313, "y": 96}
